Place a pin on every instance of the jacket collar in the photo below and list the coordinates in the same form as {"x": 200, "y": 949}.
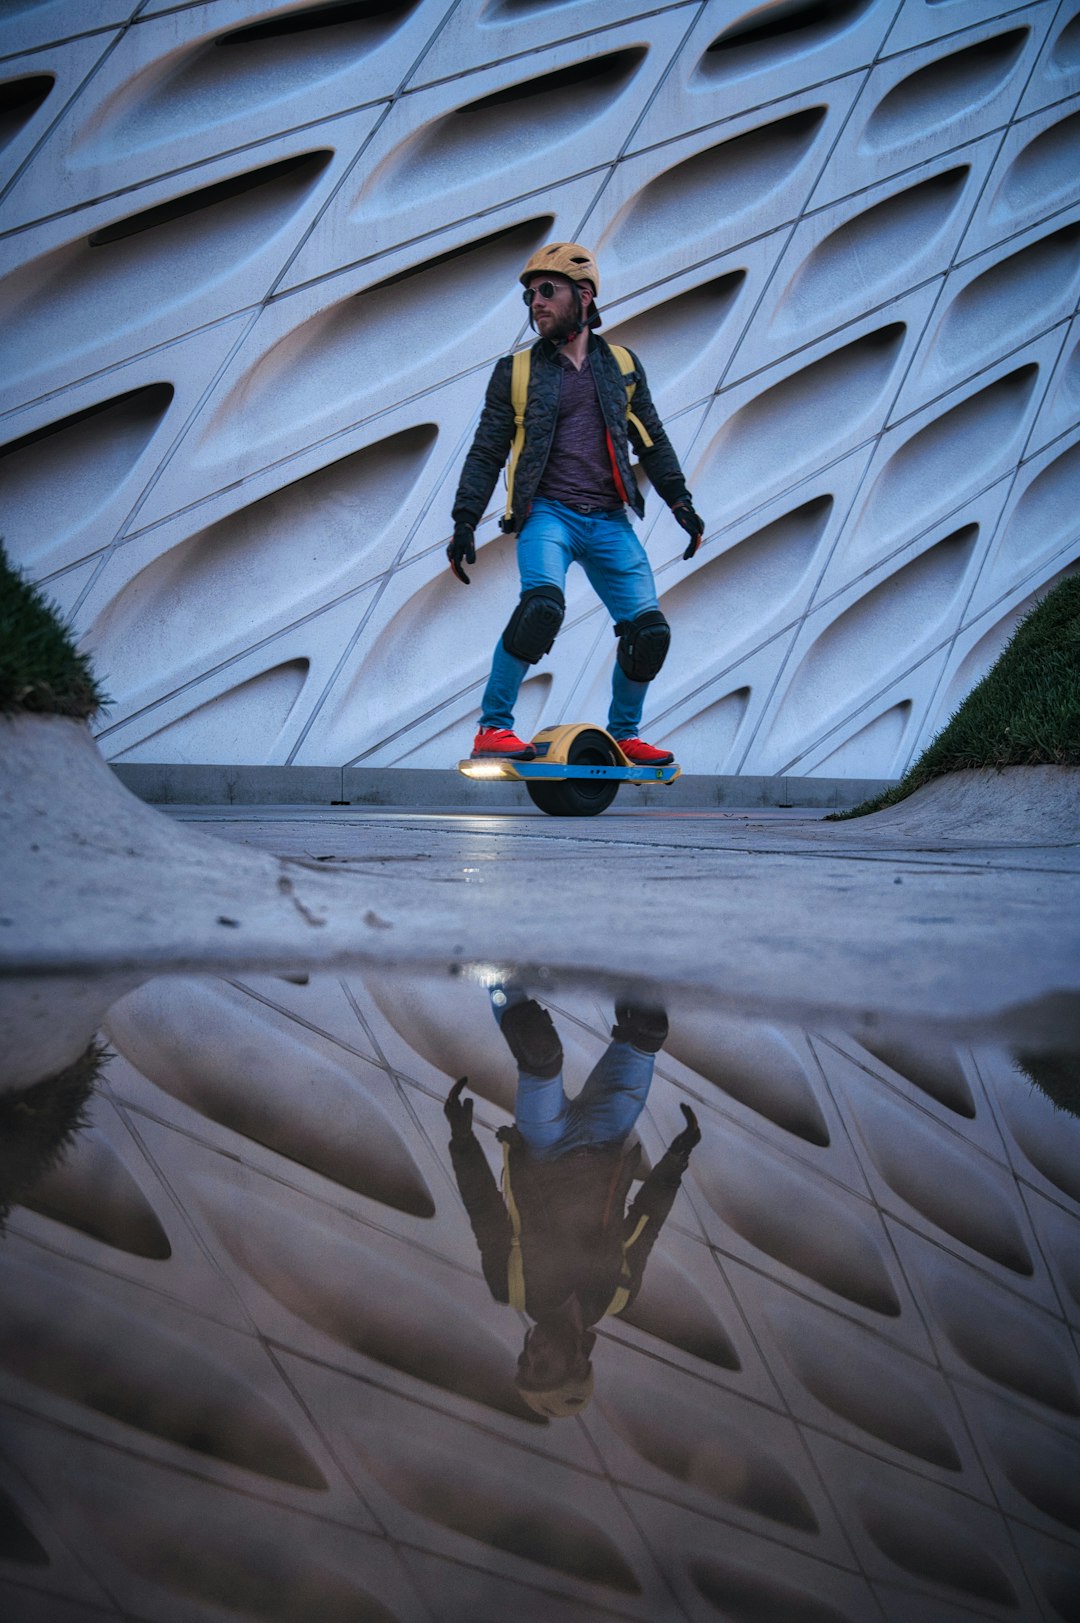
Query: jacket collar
{"x": 551, "y": 351}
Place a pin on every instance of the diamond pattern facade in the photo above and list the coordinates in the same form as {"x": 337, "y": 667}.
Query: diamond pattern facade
{"x": 257, "y": 260}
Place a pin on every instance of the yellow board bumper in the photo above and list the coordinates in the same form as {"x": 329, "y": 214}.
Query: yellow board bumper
{"x": 552, "y": 746}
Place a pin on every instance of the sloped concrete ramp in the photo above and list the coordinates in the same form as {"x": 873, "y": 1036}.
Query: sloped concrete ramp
{"x": 1027, "y": 805}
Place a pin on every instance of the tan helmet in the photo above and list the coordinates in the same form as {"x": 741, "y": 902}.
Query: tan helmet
{"x": 568, "y": 259}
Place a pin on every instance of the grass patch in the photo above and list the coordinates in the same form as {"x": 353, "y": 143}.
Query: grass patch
{"x": 1024, "y": 712}
{"x": 38, "y": 1125}
{"x": 41, "y": 670}
{"x": 1056, "y": 1075}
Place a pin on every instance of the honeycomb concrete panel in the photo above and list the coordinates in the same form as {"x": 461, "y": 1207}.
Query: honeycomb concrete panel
{"x": 1058, "y": 413}
{"x": 939, "y": 96}
{"x": 258, "y": 256}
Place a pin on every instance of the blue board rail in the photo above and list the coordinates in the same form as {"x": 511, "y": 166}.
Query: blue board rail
{"x": 523, "y": 771}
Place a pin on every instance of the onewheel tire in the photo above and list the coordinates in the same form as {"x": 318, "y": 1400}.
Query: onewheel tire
{"x": 579, "y": 797}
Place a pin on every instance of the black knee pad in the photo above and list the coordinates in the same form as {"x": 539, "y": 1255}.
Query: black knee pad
{"x": 643, "y": 645}
{"x": 645, "y": 1027}
{"x": 534, "y": 624}
{"x": 533, "y": 1040}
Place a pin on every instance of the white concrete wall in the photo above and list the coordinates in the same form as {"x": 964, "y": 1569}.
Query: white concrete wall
{"x": 252, "y": 284}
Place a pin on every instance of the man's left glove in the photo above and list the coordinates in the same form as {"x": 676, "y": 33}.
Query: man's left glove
{"x": 458, "y": 1112}
{"x": 691, "y": 523}
{"x": 686, "y": 1140}
{"x": 462, "y": 550}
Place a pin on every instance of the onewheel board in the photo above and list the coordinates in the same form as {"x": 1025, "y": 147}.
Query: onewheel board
{"x": 576, "y": 772}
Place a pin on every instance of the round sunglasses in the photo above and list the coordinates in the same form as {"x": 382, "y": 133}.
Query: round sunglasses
{"x": 546, "y": 290}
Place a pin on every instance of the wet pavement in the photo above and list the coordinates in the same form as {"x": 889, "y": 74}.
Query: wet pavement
{"x": 935, "y": 918}
{"x": 662, "y": 1216}
{"x": 685, "y": 1316}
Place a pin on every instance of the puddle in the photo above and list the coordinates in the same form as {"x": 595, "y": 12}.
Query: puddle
{"x": 464, "y": 1295}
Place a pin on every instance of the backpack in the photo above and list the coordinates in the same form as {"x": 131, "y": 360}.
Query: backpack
{"x": 519, "y": 391}
{"x": 515, "y": 1266}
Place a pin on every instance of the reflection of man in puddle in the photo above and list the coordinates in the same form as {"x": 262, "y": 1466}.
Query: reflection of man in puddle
{"x": 559, "y": 1241}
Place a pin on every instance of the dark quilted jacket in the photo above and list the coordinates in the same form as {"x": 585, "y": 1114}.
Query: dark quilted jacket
{"x": 575, "y": 1229}
{"x": 495, "y": 432}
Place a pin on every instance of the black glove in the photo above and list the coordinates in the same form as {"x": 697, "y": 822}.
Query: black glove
{"x": 646, "y": 1028}
{"x": 691, "y": 523}
{"x": 458, "y": 1112}
{"x": 462, "y": 549}
{"x": 690, "y": 1135}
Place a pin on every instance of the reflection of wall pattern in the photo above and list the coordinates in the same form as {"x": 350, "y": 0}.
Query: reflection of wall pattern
{"x": 258, "y": 259}
{"x": 252, "y": 1369}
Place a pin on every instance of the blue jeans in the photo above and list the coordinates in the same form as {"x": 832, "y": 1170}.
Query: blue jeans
{"x": 603, "y": 1113}
{"x": 605, "y": 545}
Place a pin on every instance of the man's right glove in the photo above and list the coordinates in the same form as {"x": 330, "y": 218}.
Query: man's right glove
{"x": 462, "y": 550}
{"x": 693, "y": 525}
{"x": 690, "y": 1135}
{"x": 458, "y": 1112}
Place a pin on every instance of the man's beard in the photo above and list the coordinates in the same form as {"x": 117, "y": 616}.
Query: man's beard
{"x": 563, "y": 329}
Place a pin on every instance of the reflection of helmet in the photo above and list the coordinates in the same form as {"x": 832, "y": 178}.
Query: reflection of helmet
{"x": 560, "y": 1402}
{"x": 568, "y": 259}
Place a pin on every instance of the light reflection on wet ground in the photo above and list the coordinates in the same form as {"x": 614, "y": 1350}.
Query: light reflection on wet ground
{"x": 288, "y": 1335}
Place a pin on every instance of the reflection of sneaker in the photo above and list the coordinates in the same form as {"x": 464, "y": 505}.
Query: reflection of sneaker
{"x": 502, "y": 742}
{"x": 642, "y": 754}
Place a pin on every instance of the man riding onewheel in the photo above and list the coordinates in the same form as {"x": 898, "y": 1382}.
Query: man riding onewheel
{"x": 585, "y": 405}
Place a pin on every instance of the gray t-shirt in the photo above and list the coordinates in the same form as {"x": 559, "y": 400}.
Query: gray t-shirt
{"x": 579, "y": 465}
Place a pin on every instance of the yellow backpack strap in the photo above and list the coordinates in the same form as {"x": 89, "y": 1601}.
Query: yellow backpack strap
{"x": 622, "y": 1292}
{"x": 515, "y": 1268}
{"x": 519, "y": 394}
{"x": 626, "y": 364}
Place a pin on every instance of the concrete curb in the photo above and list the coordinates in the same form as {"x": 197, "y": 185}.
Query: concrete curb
{"x": 170, "y": 784}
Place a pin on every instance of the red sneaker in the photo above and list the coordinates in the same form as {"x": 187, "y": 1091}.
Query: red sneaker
{"x": 642, "y": 754}
{"x": 502, "y": 742}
